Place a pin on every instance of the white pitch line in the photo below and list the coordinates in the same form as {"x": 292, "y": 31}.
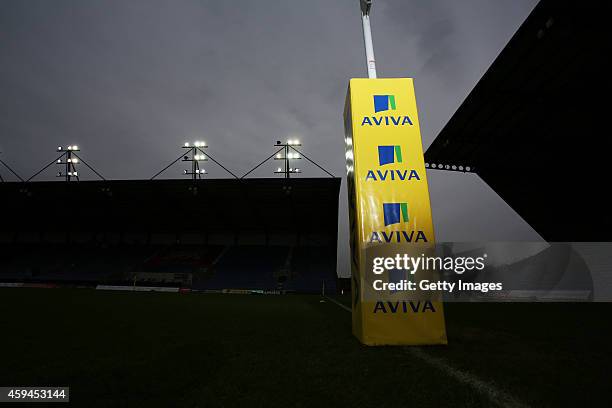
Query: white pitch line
{"x": 348, "y": 309}
{"x": 495, "y": 395}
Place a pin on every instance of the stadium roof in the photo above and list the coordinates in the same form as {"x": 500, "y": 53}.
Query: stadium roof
{"x": 533, "y": 128}
{"x": 232, "y": 206}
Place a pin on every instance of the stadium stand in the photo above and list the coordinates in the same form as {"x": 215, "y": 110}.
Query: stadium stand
{"x": 534, "y": 126}
{"x": 256, "y": 234}
{"x": 247, "y": 267}
{"x": 310, "y": 269}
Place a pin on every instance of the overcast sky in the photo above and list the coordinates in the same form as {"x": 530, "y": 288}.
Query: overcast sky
{"x": 131, "y": 81}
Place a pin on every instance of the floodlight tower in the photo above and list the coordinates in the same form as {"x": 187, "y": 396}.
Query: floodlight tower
{"x": 195, "y": 156}
{"x": 366, "y": 5}
{"x": 288, "y": 154}
{"x": 10, "y": 169}
{"x": 69, "y": 162}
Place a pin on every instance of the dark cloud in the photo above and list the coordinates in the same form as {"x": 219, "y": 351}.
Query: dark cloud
{"x": 131, "y": 81}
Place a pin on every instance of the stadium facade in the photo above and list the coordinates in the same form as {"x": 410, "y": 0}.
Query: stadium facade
{"x": 217, "y": 234}
{"x": 534, "y": 127}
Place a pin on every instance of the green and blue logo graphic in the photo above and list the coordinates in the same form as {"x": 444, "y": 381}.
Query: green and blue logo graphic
{"x": 384, "y": 103}
{"x": 394, "y": 213}
{"x": 389, "y": 154}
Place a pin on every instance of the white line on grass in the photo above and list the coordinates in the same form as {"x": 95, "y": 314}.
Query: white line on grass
{"x": 491, "y": 392}
{"x": 495, "y": 395}
{"x": 348, "y": 309}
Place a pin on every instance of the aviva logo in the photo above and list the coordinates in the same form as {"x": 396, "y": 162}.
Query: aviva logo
{"x": 393, "y": 212}
{"x": 404, "y": 307}
{"x": 396, "y": 213}
{"x": 389, "y": 154}
{"x": 384, "y": 103}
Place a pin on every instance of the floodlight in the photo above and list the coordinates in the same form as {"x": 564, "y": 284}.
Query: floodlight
{"x": 59, "y": 148}
{"x": 59, "y": 161}
{"x": 186, "y": 144}
{"x": 296, "y": 141}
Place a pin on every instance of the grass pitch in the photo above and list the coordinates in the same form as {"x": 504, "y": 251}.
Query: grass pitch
{"x": 194, "y": 350}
